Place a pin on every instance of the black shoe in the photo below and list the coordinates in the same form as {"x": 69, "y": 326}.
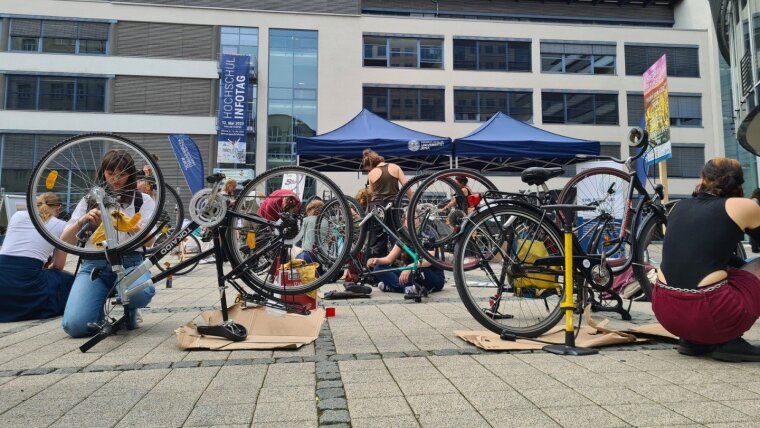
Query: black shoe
{"x": 357, "y": 288}
{"x": 693, "y": 349}
{"x": 737, "y": 350}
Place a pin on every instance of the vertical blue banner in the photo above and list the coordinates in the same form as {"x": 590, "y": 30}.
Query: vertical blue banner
{"x": 233, "y": 108}
{"x": 190, "y": 160}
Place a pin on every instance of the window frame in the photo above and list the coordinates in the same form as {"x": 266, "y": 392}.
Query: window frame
{"x": 74, "y": 95}
{"x": 420, "y": 105}
{"x": 592, "y": 57}
{"x": 479, "y": 114}
{"x": 508, "y": 53}
{"x": 420, "y": 42}
{"x": 79, "y": 43}
{"x": 593, "y": 108}
{"x": 678, "y": 121}
{"x": 650, "y": 57}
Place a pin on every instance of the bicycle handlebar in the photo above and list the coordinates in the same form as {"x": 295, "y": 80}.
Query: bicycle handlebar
{"x": 637, "y": 138}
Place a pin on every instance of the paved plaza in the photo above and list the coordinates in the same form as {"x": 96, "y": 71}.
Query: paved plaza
{"x": 382, "y": 362}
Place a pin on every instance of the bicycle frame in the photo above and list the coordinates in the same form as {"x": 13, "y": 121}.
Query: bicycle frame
{"x": 414, "y": 256}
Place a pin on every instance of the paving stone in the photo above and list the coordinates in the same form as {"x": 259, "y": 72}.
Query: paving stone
{"x": 492, "y": 400}
{"x": 332, "y": 403}
{"x": 645, "y": 414}
{"x": 583, "y": 417}
{"x": 213, "y": 363}
{"x": 220, "y": 415}
{"x": 518, "y": 418}
{"x": 469, "y": 419}
{"x": 334, "y": 416}
{"x": 285, "y": 411}
{"x": 185, "y": 364}
{"x": 285, "y": 393}
{"x": 326, "y": 393}
{"x": 156, "y": 366}
{"x": 425, "y": 387}
{"x": 328, "y": 376}
{"x": 406, "y": 421}
{"x": 708, "y": 412}
{"x": 442, "y": 403}
{"x": 367, "y": 356}
{"x": 329, "y": 384}
{"x": 37, "y": 371}
{"x": 371, "y": 407}
{"x": 372, "y": 390}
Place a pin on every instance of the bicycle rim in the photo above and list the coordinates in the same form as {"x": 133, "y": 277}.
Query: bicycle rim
{"x": 269, "y": 252}
{"x": 602, "y": 230}
{"x": 507, "y": 290}
{"x": 435, "y": 226}
{"x": 70, "y": 171}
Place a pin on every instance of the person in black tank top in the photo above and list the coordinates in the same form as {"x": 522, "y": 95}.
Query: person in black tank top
{"x": 383, "y": 188}
{"x": 701, "y": 295}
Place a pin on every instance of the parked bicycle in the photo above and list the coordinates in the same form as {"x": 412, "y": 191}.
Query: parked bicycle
{"x": 508, "y": 259}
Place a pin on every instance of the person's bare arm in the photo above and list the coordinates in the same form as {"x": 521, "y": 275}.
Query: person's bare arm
{"x": 69, "y": 234}
{"x": 402, "y": 179}
{"x": 388, "y": 259}
{"x": 59, "y": 260}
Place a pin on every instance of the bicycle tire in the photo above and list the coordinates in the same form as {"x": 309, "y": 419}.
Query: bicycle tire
{"x": 262, "y": 268}
{"x": 194, "y": 240}
{"x": 498, "y": 236}
{"x": 360, "y": 232}
{"x": 401, "y": 203}
{"x": 172, "y": 217}
{"x": 80, "y": 167}
{"x": 649, "y": 242}
{"x": 599, "y": 186}
{"x": 441, "y": 233}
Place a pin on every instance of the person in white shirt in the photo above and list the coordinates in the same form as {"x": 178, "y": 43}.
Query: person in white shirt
{"x": 88, "y": 294}
{"x": 33, "y": 284}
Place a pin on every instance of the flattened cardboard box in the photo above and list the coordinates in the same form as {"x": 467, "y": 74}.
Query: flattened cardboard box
{"x": 265, "y": 330}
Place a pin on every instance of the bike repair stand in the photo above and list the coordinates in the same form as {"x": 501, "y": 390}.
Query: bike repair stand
{"x": 569, "y": 348}
{"x": 228, "y": 329}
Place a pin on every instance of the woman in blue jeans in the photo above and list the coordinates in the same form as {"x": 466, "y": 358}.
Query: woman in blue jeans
{"x": 430, "y": 276}
{"x": 90, "y": 291}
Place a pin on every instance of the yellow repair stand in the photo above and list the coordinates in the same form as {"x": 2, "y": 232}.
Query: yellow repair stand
{"x": 567, "y": 212}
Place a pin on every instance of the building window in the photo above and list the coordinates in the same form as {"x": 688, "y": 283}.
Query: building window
{"x": 245, "y": 41}
{"x": 579, "y": 108}
{"x": 292, "y": 104}
{"x": 494, "y": 55}
{"x": 55, "y": 93}
{"x": 682, "y": 61}
{"x": 403, "y": 52}
{"x": 687, "y": 161}
{"x": 479, "y": 106}
{"x": 580, "y": 58}
{"x": 405, "y": 103}
{"x": 19, "y": 153}
{"x": 685, "y": 110}
{"x": 50, "y": 36}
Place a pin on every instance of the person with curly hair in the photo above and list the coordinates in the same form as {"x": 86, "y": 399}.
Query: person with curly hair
{"x": 704, "y": 293}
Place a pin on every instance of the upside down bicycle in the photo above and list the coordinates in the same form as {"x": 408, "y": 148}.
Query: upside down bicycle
{"x": 259, "y": 250}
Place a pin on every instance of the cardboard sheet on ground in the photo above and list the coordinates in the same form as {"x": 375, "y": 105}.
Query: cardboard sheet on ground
{"x": 593, "y": 335}
{"x": 266, "y": 330}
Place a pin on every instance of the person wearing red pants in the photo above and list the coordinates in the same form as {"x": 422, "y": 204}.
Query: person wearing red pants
{"x": 704, "y": 294}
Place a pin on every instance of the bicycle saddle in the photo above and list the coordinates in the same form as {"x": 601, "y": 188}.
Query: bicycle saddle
{"x": 536, "y": 176}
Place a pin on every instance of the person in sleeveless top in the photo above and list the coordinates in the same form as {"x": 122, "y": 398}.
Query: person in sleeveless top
{"x": 33, "y": 284}
{"x": 704, "y": 293}
{"x": 384, "y": 181}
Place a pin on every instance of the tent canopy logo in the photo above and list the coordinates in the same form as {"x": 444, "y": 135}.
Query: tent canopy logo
{"x": 414, "y": 145}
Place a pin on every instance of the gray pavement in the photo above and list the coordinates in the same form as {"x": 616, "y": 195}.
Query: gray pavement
{"x": 382, "y": 362}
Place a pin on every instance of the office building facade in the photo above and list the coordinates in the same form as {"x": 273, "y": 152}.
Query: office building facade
{"x": 145, "y": 69}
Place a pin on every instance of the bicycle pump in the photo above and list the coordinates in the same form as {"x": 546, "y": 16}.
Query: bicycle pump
{"x": 569, "y": 348}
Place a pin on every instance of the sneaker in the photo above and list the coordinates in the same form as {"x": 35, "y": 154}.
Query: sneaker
{"x": 409, "y": 289}
{"x": 381, "y": 286}
{"x": 693, "y": 349}
{"x": 737, "y": 350}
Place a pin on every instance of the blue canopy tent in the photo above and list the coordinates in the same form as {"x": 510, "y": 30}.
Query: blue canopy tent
{"x": 504, "y": 144}
{"x": 341, "y": 149}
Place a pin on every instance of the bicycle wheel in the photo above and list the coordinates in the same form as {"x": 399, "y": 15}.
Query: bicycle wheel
{"x": 401, "y": 203}
{"x": 188, "y": 248}
{"x": 327, "y": 245}
{"x": 507, "y": 290}
{"x": 171, "y": 218}
{"x": 359, "y": 235}
{"x": 601, "y": 230}
{"x": 434, "y": 224}
{"x": 267, "y": 250}
{"x": 648, "y": 254}
{"x": 70, "y": 169}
